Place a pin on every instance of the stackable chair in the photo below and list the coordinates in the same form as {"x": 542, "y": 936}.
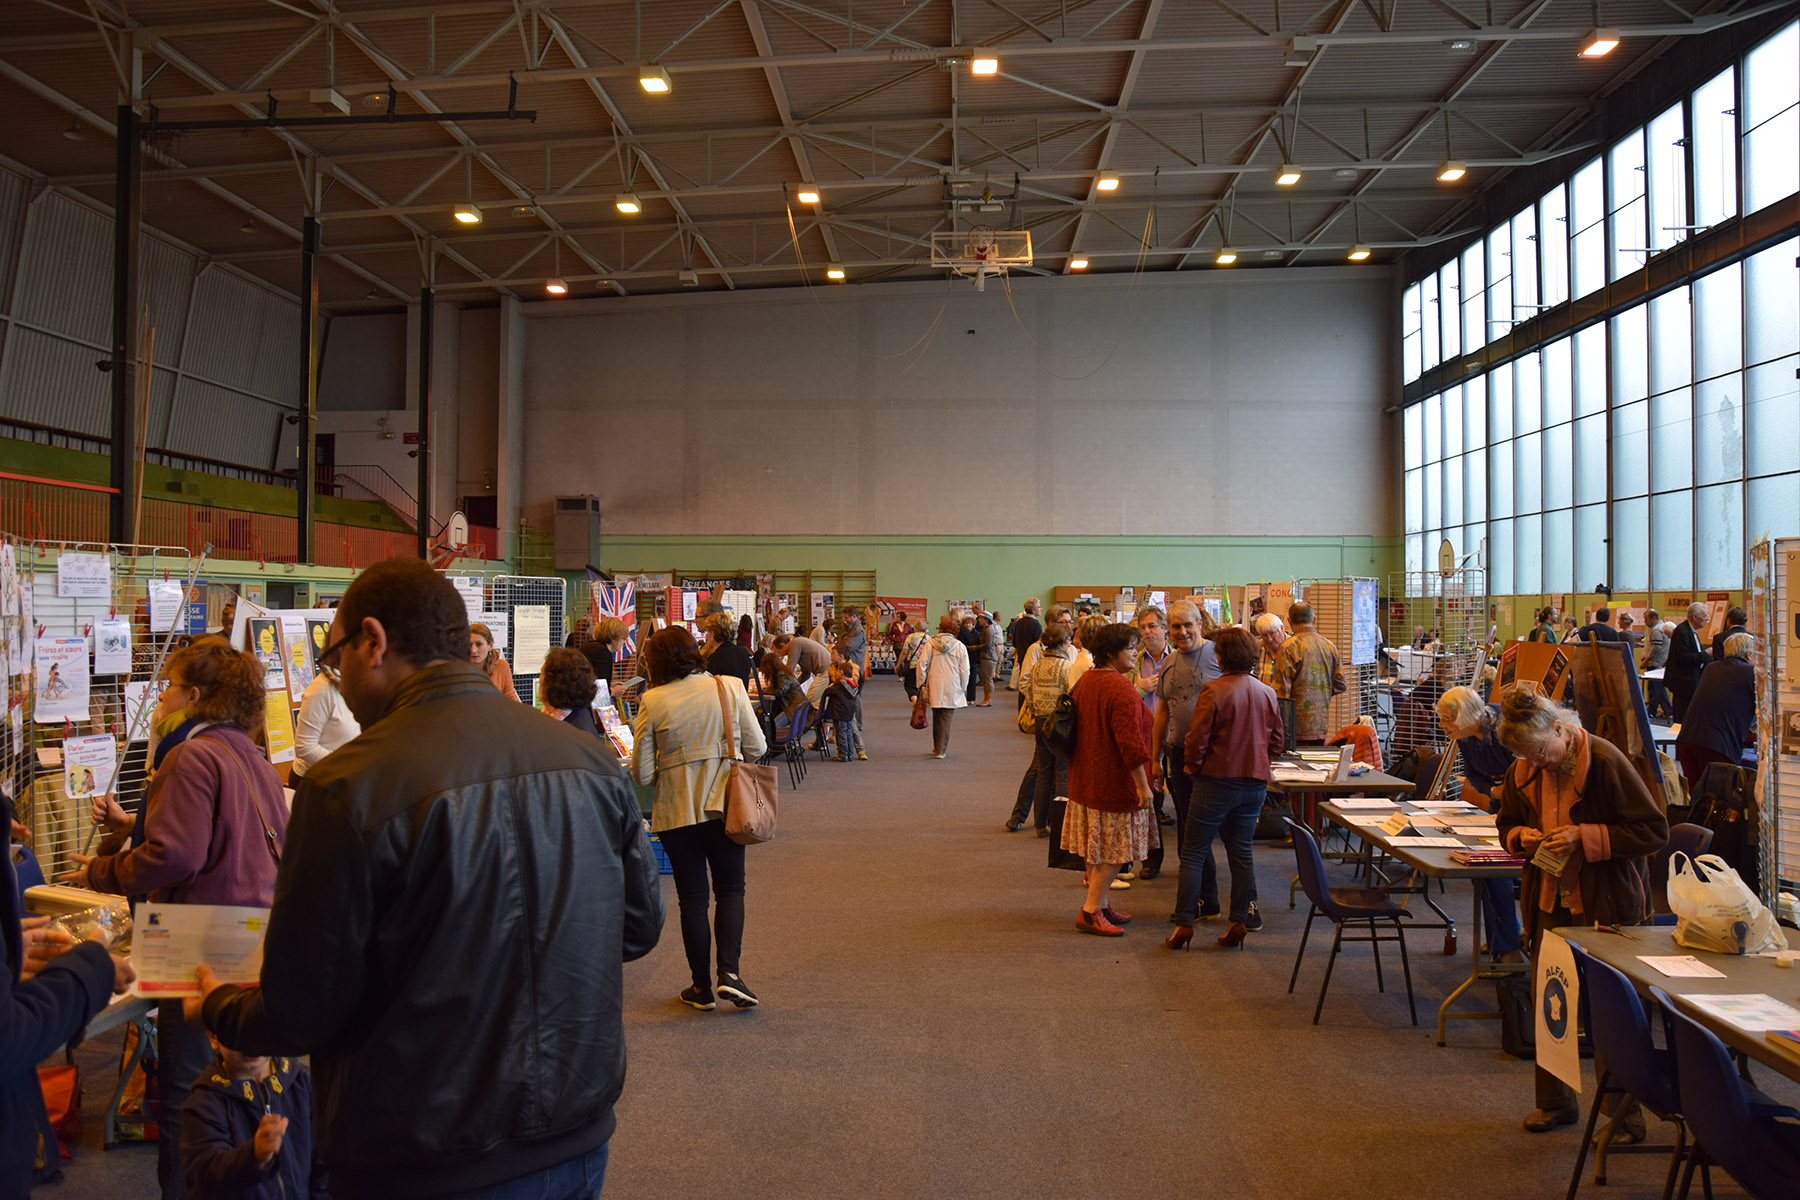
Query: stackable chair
{"x": 1342, "y": 906}
{"x": 792, "y": 748}
{"x": 1735, "y": 1127}
{"x": 1634, "y": 1068}
{"x": 1691, "y": 840}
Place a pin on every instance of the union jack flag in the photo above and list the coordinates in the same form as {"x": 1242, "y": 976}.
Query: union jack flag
{"x": 616, "y": 600}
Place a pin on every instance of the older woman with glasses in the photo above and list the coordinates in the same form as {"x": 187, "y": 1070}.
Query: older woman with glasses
{"x": 1475, "y": 728}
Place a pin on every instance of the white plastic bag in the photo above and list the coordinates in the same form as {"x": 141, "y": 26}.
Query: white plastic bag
{"x": 1715, "y": 911}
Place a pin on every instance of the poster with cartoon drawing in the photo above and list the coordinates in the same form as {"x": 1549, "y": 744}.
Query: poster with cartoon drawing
{"x": 62, "y": 679}
{"x": 112, "y": 646}
{"x": 89, "y": 764}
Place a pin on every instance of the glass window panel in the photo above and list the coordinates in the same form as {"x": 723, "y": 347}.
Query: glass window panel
{"x": 1625, "y": 174}
{"x": 1715, "y": 150}
{"x": 1630, "y": 546}
{"x": 1772, "y": 120}
{"x": 1475, "y": 414}
{"x": 1631, "y": 377}
{"x": 1672, "y": 541}
{"x": 1558, "y": 381}
{"x": 1500, "y": 402}
{"x": 1434, "y": 494}
{"x": 1528, "y": 382}
{"x": 1500, "y": 480}
{"x": 1428, "y": 321}
{"x": 1500, "y": 552}
{"x": 1772, "y": 302}
{"x": 1773, "y": 506}
{"x": 1412, "y": 438}
{"x": 1415, "y": 552}
{"x": 1671, "y": 440}
{"x": 1671, "y": 341}
{"x": 1553, "y": 246}
{"x": 1528, "y": 473}
{"x": 1718, "y": 322}
{"x": 1719, "y": 429}
{"x": 1590, "y": 547}
{"x": 1587, "y": 221}
{"x": 1558, "y": 492}
{"x": 1450, "y": 310}
{"x": 1528, "y": 555}
{"x": 1590, "y": 370}
{"x": 1434, "y": 427}
{"x": 1631, "y": 449}
{"x": 1474, "y": 298}
{"x": 1666, "y": 148}
{"x": 1453, "y": 421}
{"x": 1772, "y": 417}
{"x": 1525, "y": 265}
{"x": 1475, "y": 485}
{"x": 1590, "y": 459}
{"x": 1499, "y": 271}
{"x": 1415, "y": 501}
{"x": 1721, "y": 525}
{"x": 1453, "y": 491}
{"x": 1559, "y": 551}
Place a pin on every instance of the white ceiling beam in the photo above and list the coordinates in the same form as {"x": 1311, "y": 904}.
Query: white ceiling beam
{"x": 1152, "y": 13}
{"x": 759, "y": 37}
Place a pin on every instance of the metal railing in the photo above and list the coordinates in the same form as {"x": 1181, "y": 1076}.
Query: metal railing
{"x": 68, "y": 439}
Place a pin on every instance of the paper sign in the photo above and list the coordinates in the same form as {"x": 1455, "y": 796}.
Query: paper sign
{"x": 246, "y": 611}
{"x": 1680, "y": 966}
{"x": 87, "y": 576}
{"x": 497, "y": 623}
{"x": 112, "y": 646}
{"x": 1442, "y": 843}
{"x": 140, "y": 701}
{"x": 1365, "y": 622}
{"x": 296, "y": 653}
{"x": 170, "y": 941}
{"x": 1396, "y": 824}
{"x": 531, "y": 634}
{"x": 62, "y": 679}
{"x": 165, "y": 604}
{"x": 265, "y": 644}
{"x": 1370, "y": 802}
{"x": 9, "y": 581}
{"x": 469, "y": 587}
{"x": 22, "y": 635}
{"x": 89, "y": 764}
{"x": 1755, "y": 1011}
{"x": 280, "y": 727}
{"x": 1558, "y": 995}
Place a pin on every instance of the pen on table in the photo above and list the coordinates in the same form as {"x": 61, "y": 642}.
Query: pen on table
{"x": 1615, "y": 929}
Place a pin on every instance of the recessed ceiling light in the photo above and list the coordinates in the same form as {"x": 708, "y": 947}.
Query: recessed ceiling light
{"x": 1359, "y": 252}
{"x": 556, "y": 287}
{"x": 1600, "y": 43}
{"x": 1344, "y": 173}
{"x": 984, "y": 62}
{"x": 1288, "y": 176}
{"x": 1226, "y": 257}
{"x": 627, "y": 202}
{"x": 834, "y": 271}
{"x": 655, "y": 80}
{"x": 468, "y": 214}
{"x": 1078, "y": 264}
{"x": 807, "y": 196}
{"x": 1107, "y": 183}
{"x": 1452, "y": 171}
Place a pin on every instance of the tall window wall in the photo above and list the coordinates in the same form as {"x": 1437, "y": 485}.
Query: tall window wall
{"x": 1677, "y": 420}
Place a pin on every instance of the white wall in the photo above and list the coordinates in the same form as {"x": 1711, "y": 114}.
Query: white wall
{"x": 1237, "y": 403}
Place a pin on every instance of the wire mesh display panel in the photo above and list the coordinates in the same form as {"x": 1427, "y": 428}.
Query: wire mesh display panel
{"x": 1437, "y": 625}
{"x": 512, "y": 593}
{"x": 1334, "y": 603}
{"x": 1775, "y": 609}
{"x": 17, "y": 761}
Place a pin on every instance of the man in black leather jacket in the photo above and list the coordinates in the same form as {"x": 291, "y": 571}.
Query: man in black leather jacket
{"x": 460, "y": 887}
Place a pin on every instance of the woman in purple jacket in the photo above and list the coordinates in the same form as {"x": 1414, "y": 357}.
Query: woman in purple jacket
{"x": 214, "y": 818}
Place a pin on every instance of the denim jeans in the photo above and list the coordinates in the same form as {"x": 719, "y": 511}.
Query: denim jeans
{"x": 577, "y": 1179}
{"x": 846, "y": 736}
{"x": 1052, "y": 780}
{"x": 1501, "y": 915}
{"x": 695, "y": 851}
{"x": 1227, "y": 809}
{"x": 1181, "y": 791}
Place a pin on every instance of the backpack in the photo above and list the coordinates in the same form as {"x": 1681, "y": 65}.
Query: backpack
{"x": 1044, "y": 687}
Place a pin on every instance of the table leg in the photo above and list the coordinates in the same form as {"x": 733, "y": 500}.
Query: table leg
{"x": 1474, "y": 966}
{"x": 110, "y": 1120}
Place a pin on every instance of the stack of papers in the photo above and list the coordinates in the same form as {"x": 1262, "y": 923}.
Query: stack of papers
{"x": 1680, "y": 966}
{"x": 1370, "y": 803}
{"x": 1448, "y": 843}
{"x": 1754, "y": 1011}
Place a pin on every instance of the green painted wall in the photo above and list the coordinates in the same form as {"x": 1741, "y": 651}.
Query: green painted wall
{"x": 1004, "y": 570}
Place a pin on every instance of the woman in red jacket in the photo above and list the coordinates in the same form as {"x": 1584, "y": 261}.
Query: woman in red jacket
{"x": 1108, "y": 817}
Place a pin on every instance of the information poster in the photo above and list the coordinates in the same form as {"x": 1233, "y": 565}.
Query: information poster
{"x": 265, "y": 644}
{"x": 1558, "y": 994}
{"x": 318, "y": 638}
{"x": 469, "y": 587}
{"x": 170, "y": 941}
{"x": 9, "y": 581}
{"x": 280, "y": 727}
{"x": 112, "y": 646}
{"x": 296, "y": 652}
{"x": 165, "y": 604}
{"x": 140, "y": 701}
{"x": 83, "y": 576}
{"x": 89, "y": 764}
{"x": 498, "y": 624}
{"x": 1365, "y": 622}
{"x": 531, "y": 636}
{"x": 62, "y": 679}
{"x": 824, "y": 606}
{"x": 22, "y": 639}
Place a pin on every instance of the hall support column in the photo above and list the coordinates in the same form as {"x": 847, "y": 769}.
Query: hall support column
{"x": 427, "y": 311}
{"x": 510, "y": 411}
{"x": 307, "y": 475}
{"x": 128, "y": 186}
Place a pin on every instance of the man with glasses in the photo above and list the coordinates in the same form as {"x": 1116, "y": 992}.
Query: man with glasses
{"x": 1153, "y": 652}
{"x": 1193, "y": 665}
{"x": 459, "y": 890}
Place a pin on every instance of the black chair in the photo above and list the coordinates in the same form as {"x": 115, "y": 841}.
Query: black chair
{"x": 1350, "y": 905}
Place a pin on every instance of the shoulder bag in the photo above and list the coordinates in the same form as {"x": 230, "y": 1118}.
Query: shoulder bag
{"x": 1059, "y": 727}
{"x": 750, "y": 788}
{"x": 269, "y": 838}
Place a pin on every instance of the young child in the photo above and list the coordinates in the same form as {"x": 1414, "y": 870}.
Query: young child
{"x": 246, "y": 1131}
{"x": 841, "y": 706}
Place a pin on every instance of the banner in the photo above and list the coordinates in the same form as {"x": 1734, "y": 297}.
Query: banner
{"x": 1558, "y": 995}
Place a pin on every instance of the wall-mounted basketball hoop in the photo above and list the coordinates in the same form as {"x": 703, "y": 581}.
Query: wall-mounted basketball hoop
{"x": 981, "y": 251}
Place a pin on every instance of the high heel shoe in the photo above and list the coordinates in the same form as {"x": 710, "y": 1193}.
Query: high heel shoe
{"x": 1234, "y": 936}
{"x": 1180, "y": 938}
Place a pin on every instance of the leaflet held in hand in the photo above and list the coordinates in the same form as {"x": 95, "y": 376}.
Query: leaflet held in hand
{"x": 170, "y": 941}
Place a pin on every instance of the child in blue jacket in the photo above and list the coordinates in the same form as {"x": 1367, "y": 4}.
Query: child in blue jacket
{"x": 842, "y": 706}
{"x": 246, "y": 1131}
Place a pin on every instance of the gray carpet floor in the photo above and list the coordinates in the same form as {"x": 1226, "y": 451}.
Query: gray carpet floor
{"x": 934, "y": 1026}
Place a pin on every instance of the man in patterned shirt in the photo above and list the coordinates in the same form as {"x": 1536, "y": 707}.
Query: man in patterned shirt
{"x": 1270, "y": 632}
{"x": 1308, "y": 673}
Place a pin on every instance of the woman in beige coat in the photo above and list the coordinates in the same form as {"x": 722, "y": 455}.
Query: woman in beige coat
{"x": 681, "y": 748}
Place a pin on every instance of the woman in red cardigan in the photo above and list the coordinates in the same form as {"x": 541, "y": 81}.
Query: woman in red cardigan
{"x": 1108, "y": 817}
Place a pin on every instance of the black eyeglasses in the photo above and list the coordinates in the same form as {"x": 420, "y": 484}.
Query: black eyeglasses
{"x": 329, "y": 654}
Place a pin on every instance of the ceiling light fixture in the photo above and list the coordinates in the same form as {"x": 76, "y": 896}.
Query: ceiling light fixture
{"x": 1600, "y": 43}
{"x": 555, "y": 286}
{"x": 1288, "y": 176}
{"x": 1359, "y": 252}
{"x": 1452, "y": 171}
{"x": 1107, "y": 183}
{"x": 807, "y": 196}
{"x": 689, "y": 277}
{"x": 1461, "y": 45}
{"x": 834, "y": 271}
{"x": 1078, "y": 264}
{"x": 627, "y": 202}
{"x": 984, "y": 62}
{"x": 1227, "y": 256}
{"x": 467, "y": 214}
{"x": 655, "y": 80}
{"x": 74, "y": 132}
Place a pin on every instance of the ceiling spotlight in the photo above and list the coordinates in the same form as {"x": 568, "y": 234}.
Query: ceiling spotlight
{"x": 1078, "y": 264}
{"x": 1461, "y": 45}
{"x": 834, "y": 271}
{"x": 1288, "y": 176}
{"x": 1227, "y": 256}
{"x": 468, "y": 214}
{"x": 1452, "y": 171}
{"x": 1344, "y": 173}
{"x": 556, "y": 287}
{"x": 984, "y": 62}
{"x": 74, "y": 132}
{"x": 1600, "y": 43}
{"x": 807, "y": 196}
{"x": 655, "y": 80}
{"x": 1107, "y": 183}
{"x": 1359, "y": 252}
{"x": 247, "y": 227}
{"x": 627, "y": 202}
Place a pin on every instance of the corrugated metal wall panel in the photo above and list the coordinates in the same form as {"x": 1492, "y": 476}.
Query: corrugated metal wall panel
{"x": 163, "y": 279}
{"x": 216, "y": 423}
{"x": 15, "y": 193}
{"x": 63, "y": 280}
{"x": 226, "y": 320}
{"x": 52, "y": 381}
{"x": 277, "y": 361}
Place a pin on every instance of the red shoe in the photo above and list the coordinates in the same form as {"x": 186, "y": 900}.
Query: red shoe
{"x": 1115, "y": 916}
{"x": 1234, "y": 936}
{"x": 1089, "y": 922}
{"x": 1180, "y": 938}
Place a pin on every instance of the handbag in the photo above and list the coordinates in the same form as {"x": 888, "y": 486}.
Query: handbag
{"x": 1059, "y": 727}
{"x": 918, "y": 713}
{"x": 750, "y": 789}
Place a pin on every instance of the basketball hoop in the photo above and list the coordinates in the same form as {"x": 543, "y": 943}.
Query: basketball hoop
{"x": 980, "y": 243}
{"x": 980, "y": 251}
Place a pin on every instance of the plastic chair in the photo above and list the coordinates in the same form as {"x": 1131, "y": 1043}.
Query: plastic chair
{"x": 1634, "y": 1068}
{"x": 1344, "y": 906}
{"x": 1691, "y": 840}
{"x": 1735, "y": 1126}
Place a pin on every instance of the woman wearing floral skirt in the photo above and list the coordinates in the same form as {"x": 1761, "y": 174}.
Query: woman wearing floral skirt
{"x": 1108, "y": 819}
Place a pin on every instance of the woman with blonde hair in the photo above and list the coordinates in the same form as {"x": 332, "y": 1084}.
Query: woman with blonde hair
{"x": 1574, "y": 807}
{"x": 1475, "y": 728}
{"x": 483, "y": 655}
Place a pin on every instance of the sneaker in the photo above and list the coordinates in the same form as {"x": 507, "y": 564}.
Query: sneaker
{"x": 1119, "y": 885}
{"x": 698, "y": 998}
{"x": 1208, "y": 911}
{"x": 840, "y": 758}
{"x": 862, "y": 756}
{"x": 1252, "y": 918}
{"x": 737, "y": 991}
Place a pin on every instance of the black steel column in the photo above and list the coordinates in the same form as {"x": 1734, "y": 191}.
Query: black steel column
{"x": 424, "y": 504}
{"x": 127, "y": 202}
{"x": 306, "y": 479}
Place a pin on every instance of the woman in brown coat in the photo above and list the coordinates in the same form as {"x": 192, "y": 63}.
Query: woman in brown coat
{"x": 1574, "y": 807}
